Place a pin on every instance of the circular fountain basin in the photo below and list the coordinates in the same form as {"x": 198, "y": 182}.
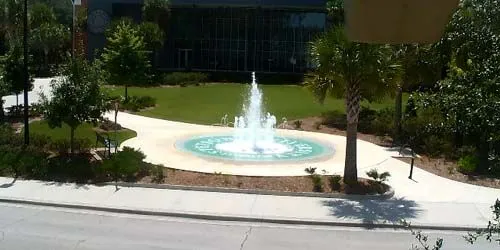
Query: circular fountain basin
{"x": 282, "y": 149}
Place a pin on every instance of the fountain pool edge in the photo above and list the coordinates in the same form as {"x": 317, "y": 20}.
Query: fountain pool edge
{"x": 304, "y": 150}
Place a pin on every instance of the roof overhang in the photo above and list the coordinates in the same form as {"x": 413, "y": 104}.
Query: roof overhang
{"x": 398, "y": 21}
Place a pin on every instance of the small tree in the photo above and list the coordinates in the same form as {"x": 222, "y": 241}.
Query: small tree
{"x": 125, "y": 56}
{"x": 13, "y": 71}
{"x": 76, "y": 97}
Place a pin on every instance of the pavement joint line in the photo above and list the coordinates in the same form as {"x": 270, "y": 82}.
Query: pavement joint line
{"x": 229, "y": 218}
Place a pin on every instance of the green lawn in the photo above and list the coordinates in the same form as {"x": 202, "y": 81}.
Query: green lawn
{"x": 82, "y": 132}
{"x": 207, "y": 104}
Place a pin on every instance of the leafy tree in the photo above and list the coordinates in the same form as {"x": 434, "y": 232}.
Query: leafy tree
{"x": 470, "y": 97}
{"x": 355, "y": 71}
{"x": 156, "y": 11}
{"x": 420, "y": 66}
{"x": 153, "y": 36}
{"x": 76, "y": 97}
{"x": 13, "y": 71}
{"x": 40, "y": 13}
{"x": 11, "y": 19}
{"x": 125, "y": 57}
{"x": 48, "y": 38}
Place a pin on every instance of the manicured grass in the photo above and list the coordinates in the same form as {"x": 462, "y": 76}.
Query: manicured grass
{"x": 84, "y": 131}
{"x": 207, "y": 104}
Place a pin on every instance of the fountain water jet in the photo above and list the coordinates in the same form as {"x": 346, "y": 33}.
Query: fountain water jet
{"x": 254, "y": 132}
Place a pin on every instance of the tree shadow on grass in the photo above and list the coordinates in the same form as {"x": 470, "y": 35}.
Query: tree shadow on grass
{"x": 391, "y": 211}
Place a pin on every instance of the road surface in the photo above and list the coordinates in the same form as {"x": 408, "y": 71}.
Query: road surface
{"x": 44, "y": 228}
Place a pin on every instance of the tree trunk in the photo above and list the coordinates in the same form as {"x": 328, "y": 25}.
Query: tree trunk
{"x": 484, "y": 150}
{"x": 353, "y": 99}
{"x": 126, "y": 93}
{"x": 398, "y": 114}
{"x": 71, "y": 140}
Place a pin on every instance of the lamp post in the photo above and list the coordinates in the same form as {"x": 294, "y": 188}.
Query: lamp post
{"x": 26, "y": 75}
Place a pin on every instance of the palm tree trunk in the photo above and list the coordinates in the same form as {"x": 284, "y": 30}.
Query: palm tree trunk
{"x": 353, "y": 99}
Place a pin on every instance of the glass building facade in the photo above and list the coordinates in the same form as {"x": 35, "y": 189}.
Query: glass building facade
{"x": 240, "y": 39}
{"x": 224, "y": 35}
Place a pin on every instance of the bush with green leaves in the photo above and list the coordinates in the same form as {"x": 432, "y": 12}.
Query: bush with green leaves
{"x": 158, "y": 173}
{"x": 378, "y": 177}
{"x": 124, "y": 164}
{"x": 335, "y": 182}
{"x": 185, "y": 78}
{"x": 136, "y": 103}
{"x": 468, "y": 164}
{"x": 334, "y": 119}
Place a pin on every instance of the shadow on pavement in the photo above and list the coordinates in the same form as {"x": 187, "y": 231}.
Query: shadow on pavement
{"x": 8, "y": 185}
{"x": 374, "y": 211}
{"x": 60, "y": 184}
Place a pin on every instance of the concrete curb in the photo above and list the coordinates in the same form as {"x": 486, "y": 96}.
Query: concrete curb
{"x": 213, "y": 217}
{"x": 387, "y": 195}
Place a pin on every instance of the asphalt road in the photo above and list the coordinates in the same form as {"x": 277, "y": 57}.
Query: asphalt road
{"x": 43, "y": 228}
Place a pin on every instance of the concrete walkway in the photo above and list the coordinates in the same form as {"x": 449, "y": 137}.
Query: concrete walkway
{"x": 249, "y": 207}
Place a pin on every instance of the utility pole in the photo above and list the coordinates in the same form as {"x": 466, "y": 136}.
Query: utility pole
{"x": 26, "y": 76}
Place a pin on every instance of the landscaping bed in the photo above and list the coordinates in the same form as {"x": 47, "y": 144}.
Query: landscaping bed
{"x": 298, "y": 184}
{"x": 437, "y": 165}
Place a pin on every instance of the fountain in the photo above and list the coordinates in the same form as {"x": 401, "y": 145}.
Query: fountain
{"x": 254, "y": 138}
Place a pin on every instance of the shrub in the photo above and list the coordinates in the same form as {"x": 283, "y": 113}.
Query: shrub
{"x": 317, "y": 125}
{"x": 185, "y": 78}
{"x": 335, "y": 182}
{"x": 62, "y": 146}
{"x": 136, "y": 103}
{"x": 297, "y": 124}
{"x": 380, "y": 178}
{"x": 366, "y": 118}
{"x": 435, "y": 145}
{"x": 334, "y": 119}
{"x": 317, "y": 183}
{"x": 108, "y": 125}
{"x": 468, "y": 164}
{"x": 383, "y": 124}
{"x": 158, "y": 174}
{"x": 310, "y": 170}
{"x": 124, "y": 164}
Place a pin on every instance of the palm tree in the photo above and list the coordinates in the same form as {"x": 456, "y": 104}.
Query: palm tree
{"x": 355, "y": 71}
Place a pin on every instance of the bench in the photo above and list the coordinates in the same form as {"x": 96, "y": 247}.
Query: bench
{"x": 107, "y": 142}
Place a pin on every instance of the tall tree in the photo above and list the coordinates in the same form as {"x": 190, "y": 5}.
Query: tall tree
{"x": 355, "y": 71}
{"x": 156, "y": 11}
{"x": 39, "y": 14}
{"x": 154, "y": 38}
{"x": 76, "y": 97}
{"x": 125, "y": 57}
{"x": 470, "y": 96}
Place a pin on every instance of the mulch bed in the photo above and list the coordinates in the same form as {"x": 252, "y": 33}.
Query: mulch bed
{"x": 282, "y": 184}
{"x": 439, "y": 166}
